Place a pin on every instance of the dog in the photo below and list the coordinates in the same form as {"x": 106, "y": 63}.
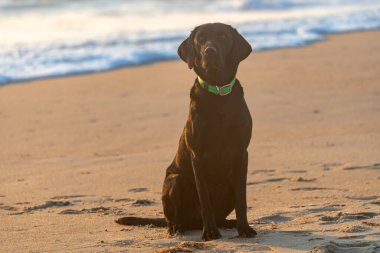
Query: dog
{"x": 207, "y": 179}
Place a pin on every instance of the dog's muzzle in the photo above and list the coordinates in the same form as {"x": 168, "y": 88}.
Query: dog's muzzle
{"x": 211, "y": 59}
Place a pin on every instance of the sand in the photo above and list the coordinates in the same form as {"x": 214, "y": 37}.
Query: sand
{"x": 78, "y": 152}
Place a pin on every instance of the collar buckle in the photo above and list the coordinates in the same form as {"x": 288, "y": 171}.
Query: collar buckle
{"x": 224, "y": 88}
{"x": 217, "y": 90}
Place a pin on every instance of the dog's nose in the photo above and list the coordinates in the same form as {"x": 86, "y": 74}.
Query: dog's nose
{"x": 210, "y": 50}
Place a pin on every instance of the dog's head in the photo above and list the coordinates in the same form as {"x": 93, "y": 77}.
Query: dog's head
{"x": 214, "y": 48}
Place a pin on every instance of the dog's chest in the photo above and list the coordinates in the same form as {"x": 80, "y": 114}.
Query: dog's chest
{"x": 218, "y": 129}
{"x": 222, "y": 135}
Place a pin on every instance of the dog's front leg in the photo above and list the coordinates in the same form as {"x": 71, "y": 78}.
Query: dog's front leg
{"x": 240, "y": 184}
{"x": 210, "y": 231}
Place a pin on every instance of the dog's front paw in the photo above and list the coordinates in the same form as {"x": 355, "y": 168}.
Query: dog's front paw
{"x": 175, "y": 229}
{"x": 210, "y": 234}
{"x": 246, "y": 231}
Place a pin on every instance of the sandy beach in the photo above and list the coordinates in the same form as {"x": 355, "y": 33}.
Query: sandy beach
{"x": 78, "y": 152}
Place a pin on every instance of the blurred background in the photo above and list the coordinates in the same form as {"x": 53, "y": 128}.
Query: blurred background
{"x": 47, "y": 38}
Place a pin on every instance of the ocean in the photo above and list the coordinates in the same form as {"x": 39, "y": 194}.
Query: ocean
{"x": 50, "y": 38}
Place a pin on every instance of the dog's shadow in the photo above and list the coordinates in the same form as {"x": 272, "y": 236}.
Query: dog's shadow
{"x": 303, "y": 240}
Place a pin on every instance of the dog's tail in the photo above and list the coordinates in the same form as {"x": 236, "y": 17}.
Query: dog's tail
{"x": 137, "y": 221}
{"x": 161, "y": 222}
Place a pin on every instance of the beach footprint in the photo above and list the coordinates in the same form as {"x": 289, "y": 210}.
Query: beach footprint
{"x": 342, "y": 217}
{"x": 347, "y": 247}
{"x": 354, "y": 229}
{"x": 263, "y": 171}
{"x": 296, "y": 171}
{"x": 373, "y": 197}
{"x": 140, "y": 189}
{"x": 304, "y": 180}
{"x": 46, "y": 205}
{"x": 310, "y": 189}
{"x": 189, "y": 246}
{"x": 329, "y": 208}
{"x": 143, "y": 202}
{"x": 275, "y": 218}
{"x": 271, "y": 180}
{"x": 375, "y": 166}
{"x": 7, "y": 208}
{"x": 99, "y": 210}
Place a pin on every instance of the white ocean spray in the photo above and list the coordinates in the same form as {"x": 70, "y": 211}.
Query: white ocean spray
{"x": 42, "y": 38}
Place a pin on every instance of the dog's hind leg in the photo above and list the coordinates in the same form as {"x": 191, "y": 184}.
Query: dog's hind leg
{"x": 171, "y": 201}
{"x": 226, "y": 223}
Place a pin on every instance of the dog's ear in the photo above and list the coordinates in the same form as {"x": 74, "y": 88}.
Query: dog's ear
{"x": 186, "y": 50}
{"x": 241, "y": 49}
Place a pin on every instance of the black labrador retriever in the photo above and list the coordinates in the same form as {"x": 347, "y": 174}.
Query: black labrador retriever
{"x": 207, "y": 179}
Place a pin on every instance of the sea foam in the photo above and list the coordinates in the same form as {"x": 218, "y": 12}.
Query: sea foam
{"x": 47, "y": 40}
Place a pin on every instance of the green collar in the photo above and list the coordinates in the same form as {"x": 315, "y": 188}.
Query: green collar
{"x": 217, "y": 90}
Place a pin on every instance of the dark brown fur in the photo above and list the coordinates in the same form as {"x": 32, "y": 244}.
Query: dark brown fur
{"x": 207, "y": 179}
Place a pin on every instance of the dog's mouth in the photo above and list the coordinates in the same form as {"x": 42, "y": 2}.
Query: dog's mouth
{"x": 211, "y": 69}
